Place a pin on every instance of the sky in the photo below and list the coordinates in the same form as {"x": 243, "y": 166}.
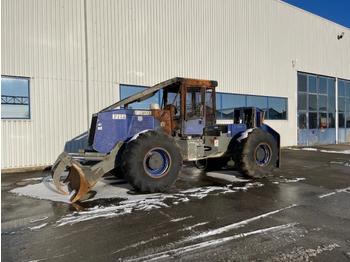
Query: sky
{"x": 334, "y": 10}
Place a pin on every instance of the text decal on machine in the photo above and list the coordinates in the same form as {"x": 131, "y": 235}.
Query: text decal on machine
{"x": 142, "y": 113}
{"x": 118, "y": 116}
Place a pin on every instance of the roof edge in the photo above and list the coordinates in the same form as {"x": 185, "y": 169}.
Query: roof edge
{"x": 313, "y": 14}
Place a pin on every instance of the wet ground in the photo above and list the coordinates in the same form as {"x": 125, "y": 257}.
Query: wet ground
{"x": 300, "y": 214}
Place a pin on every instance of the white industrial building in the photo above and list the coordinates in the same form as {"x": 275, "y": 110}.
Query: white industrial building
{"x": 63, "y": 60}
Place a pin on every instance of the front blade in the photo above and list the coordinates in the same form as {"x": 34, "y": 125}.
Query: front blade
{"x": 77, "y": 183}
{"x": 56, "y": 176}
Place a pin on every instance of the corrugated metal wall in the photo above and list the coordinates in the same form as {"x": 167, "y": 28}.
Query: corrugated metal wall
{"x": 249, "y": 46}
{"x": 44, "y": 40}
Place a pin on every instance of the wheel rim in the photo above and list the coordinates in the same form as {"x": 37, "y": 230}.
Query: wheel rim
{"x": 156, "y": 162}
{"x": 262, "y": 154}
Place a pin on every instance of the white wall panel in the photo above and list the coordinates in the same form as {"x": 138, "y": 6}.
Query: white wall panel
{"x": 247, "y": 45}
{"x": 44, "y": 40}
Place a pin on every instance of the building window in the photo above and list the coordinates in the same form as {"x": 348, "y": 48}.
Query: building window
{"x": 302, "y": 101}
{"x": 312, "y": 102}
{"x": 277, "y": 108}
{"x": 302, "y": 121}
{"x": 15, "y": 99}
{"x": 316, "y": 101}
{"x": 227, "y": 105}
{"x": 312, "y": 84}
{"x": 322, "y": 86}
{"x": 274, "y": 107}
{"x": 312, "y": 120}
{"x": 257, "y": 101}
{"x": 129, "y": 90}
{"x": 302, "y": 83}
{"x": 344, "y": 103}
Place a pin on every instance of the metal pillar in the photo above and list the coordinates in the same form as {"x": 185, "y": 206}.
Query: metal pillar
{"x": 336, "y": 112}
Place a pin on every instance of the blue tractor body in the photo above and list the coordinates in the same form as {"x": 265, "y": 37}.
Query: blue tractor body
{"x": 113, "y": 126}
{"x": 120, "y": 125}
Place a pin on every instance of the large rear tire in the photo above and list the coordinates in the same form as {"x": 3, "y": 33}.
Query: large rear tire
{"x": 151, "y": 163}
{"x": 259, "y": 154}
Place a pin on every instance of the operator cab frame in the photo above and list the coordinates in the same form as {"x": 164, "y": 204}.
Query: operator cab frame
{"x": 175, "y": 116}
{"x": 192, "y": 103}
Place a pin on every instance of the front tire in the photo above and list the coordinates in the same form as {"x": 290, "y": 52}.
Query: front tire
{"x": 259, "y": 154}
{"x": 151, "y": 163}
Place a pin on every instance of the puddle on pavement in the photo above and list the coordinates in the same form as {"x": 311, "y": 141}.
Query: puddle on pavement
{"x": 111, "y": 190}
{"x": 114, "y": 197}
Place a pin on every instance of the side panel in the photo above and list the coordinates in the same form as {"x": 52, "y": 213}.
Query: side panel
{"x": 119, "y": 125}
{"x": 193, "y": 127}
{"x": 235, "y": 129}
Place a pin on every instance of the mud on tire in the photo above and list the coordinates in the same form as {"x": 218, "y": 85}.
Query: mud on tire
{"x": 258, "y": 154}
{"x": 151, "y": 162}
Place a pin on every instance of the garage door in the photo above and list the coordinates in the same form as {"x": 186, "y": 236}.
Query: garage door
{"x": 344, "y": 110}
{"x": 316, "y": 109}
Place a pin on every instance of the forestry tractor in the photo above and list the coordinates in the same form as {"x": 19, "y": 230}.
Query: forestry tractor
{"x": 148, "y": 147}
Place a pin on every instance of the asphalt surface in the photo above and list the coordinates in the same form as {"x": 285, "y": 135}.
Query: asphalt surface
{"x": 302, "y": 213}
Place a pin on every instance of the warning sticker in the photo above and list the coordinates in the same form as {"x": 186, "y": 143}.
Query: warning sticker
{"x": 216, "y": 142}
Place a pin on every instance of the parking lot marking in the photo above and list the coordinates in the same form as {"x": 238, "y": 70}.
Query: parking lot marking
{"x": 343, "y": 190}
{"x": 209, "y": 243}
{"x": 39, "y": 219}
{"x": 346, "y": 152}
{"x": 194, "y": 226}
{"x": 236, "y": 225}
{"x": 38, "y": 227}
{"x": 180, "y": 219}
{"x": 143, "y": 242}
